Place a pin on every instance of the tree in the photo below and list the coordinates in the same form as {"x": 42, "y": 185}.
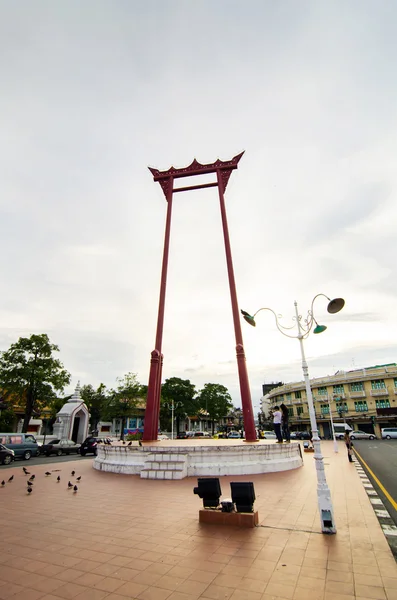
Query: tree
{"x": 216, "y": 401}
{"x": 30, "y": 375}
{"x": 96, "y": 402}
{"x": 183, "y": 393}
{"x": 122, "y": 402}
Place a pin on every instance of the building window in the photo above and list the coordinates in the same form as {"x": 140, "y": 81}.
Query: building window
{"x": 361, "y": 406}
{"x": 298, "y": 394}
{"x": 395, "y": 384}
{"x": 378, "y": 384}
{"x": 280, "y": 398}
{"x": 338, "y": 389}
{"x": 341, "y": 407}
{"x": 299, "y": 410}
{"x": 322, "y": 391}
{"x": 357, "y": 386}
{"x": 325, "y": 409}
{"x": 288, "y": 396}
{"x": 291, "y": 412}
{"x": 382, "y": 403}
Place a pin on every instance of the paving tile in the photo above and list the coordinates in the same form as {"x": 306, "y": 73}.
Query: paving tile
{"x": 216, "y": 592}
{"x": 367, "y": 591}
{"x": 149, "y": 544}
{"x": 154, "y": 593}
{"x": 27, "y": 594}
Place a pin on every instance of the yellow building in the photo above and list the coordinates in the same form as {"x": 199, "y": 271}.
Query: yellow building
{"x": 366, "y": 399}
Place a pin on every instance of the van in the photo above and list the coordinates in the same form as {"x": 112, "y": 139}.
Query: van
{"x": 24, "y": 444}
{"x": 340, "y": 429}
{"x": 389, "y": 433}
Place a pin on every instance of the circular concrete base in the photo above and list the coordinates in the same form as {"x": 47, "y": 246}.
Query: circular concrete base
{"x": 180, "y": 458}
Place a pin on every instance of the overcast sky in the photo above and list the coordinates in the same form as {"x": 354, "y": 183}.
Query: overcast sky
{"x": 94, "y": 92}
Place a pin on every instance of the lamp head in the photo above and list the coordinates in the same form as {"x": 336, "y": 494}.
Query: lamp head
{"x": 249, "y": 318}
{"x": 319, "y": 328}
{"x": 335, "y": 305}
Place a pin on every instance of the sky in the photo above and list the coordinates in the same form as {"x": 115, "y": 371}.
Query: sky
{"x": 94, "y": 92}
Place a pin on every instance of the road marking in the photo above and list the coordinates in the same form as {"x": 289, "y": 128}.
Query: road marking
{"x": 381, "y": 513}
{"x": 376, "y": 501}
{"x": 384, "y": 490}
{"x": 389, "y": 530}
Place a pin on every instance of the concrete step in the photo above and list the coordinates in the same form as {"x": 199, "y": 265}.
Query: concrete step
{"x": 163, "y": 473}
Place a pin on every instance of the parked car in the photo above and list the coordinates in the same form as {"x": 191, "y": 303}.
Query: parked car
{"x": 6, "y": 455}
{"x": 361, "y": 435}
{"x": 60, "y": 447}
{"x": 162, "y": 436}
{"x": 233, "y": 435}
{"x": 389, "y": 433}
{"x": 200, "y": 434}
{"x": 303, "y": 435}
{"x": 269, "y": 435}
{"x": 182, "y": 435}
{"x": 24, "y": 445}
{"x": 89, "y": 446}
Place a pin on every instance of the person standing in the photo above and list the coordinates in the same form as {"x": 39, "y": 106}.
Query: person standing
{"x": 349, "y": 445}
{"x": 285, "y": 425}
{"x": 277, "y": 417}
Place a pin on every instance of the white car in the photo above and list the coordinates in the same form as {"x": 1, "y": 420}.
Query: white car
{"x": 234, "y": 435}
{"x": 361, "y": 435}
{"x": 269, "y": 435}
{"x": 389, "y": 433}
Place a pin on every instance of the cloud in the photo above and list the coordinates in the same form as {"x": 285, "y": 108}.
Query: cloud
{"x": 92, "y": 94}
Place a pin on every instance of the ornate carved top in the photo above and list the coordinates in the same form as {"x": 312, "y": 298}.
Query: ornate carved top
{"x": 196, "y": 168}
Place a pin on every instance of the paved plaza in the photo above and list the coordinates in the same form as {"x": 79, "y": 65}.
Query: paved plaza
{"x": 123, "y": 537}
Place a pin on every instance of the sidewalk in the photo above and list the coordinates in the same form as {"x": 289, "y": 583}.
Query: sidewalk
{"x": 123, "y": 537}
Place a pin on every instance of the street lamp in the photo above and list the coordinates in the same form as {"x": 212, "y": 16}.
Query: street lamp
{"x": 172, "y": 406}
{"x": 334, "y": 306}
{"x": 336, "y": 449}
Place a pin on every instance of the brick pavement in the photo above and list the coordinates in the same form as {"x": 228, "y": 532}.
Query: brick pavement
{"x": 123, "y": 537}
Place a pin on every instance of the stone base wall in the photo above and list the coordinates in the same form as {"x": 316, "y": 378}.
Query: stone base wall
{"x": 206, "y": 460}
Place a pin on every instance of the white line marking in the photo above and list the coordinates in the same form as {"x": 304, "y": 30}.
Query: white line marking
{"x": 389, "y": 530}
{"x": 376, "y": 501}
{"x": 381, "y": 513}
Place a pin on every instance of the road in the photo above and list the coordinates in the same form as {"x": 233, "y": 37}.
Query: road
{"x": 44, "y": 460}
{"x": 381, "y": 457}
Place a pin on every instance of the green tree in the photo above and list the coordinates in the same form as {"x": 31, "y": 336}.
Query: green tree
{"x": 7, "y": 419}
{"x": 96, "y": 402}
{"x": 30, "y": 375}
{"x": 216, "y": 401}
{"x": 122, "y": 402}
{"x": 183, "y": 393}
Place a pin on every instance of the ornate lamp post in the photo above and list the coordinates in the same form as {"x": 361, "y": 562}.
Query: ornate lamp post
{"x": 334, "y": 306}
{"x": 336, "y": 449}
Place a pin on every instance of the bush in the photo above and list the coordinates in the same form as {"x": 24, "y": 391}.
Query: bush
{"x": 133, "y": 437}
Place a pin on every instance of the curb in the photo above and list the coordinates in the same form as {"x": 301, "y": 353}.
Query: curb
{"x": 385, "y": 521}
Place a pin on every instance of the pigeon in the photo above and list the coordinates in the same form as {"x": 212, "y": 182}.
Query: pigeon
{"x": 123, "y": 442}
{"x": 73, "y": 473}
{"x": 130, "y": 444}
{"x": 29, "y": 490}
{"x": 47, "y": 473}
{"x": 58, "y": 479}
{"x": 32, "y": 478}
{"x": 3, "y": 483}
{"x": 70, "y": 485}
{"x": 78, "y": 478}
{"x": 30, "y": 483}
{"x": 25, "y": 471}
{"x": 75, "y": 489}
{"x": 11, "y": 478}
{"x": 139, "y": 442}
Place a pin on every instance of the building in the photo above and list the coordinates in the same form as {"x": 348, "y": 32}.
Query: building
{"x": 366, "y": 399}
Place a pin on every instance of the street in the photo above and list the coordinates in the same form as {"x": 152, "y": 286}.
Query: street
{"x": 381, "y": 457}
{"x": 44, "y": 460}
